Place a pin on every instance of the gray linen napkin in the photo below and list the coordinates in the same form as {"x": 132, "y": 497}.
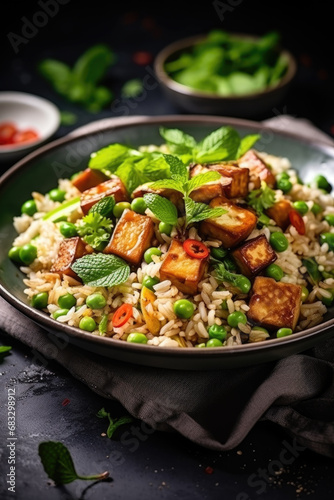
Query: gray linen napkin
{"x": 215, "y": 409}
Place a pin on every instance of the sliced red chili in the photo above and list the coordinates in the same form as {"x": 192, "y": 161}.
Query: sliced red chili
{"x": 7, "y": 132}
{"x": 195, "y": 249}
{"x": 122, "y": 315}
{"x": 25, "y": 136}
{"x": 297, "y": 221}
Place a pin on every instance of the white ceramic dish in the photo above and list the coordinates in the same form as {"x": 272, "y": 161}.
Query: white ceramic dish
{"x": 27, "y": 111}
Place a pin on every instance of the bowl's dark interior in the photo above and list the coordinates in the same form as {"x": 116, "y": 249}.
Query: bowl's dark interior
{"x": 41, "y": 171}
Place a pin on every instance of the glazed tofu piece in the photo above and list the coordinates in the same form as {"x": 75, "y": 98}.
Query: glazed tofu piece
{"x": 184, "y": 271}
{"x": 258, "y": 169}
{"x": 232, "y": 227}
{"x": 113, "y": 186}
{"x": 254, "y": 255}
{"x": 279, "y": 212}
{"x": 274, "y": 304}
{"x": 131, "y": 237}
{"x": 232, "y": 184}
{"x": 89, "y": 178}
{"x": 69, "y": 251}
{"x": 173, "y": 195}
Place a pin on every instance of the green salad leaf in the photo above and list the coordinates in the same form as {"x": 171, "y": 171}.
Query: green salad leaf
{"x": 101, "y": 269}
{"x": 162, "y": 208}
{"x": 114, "y": 423}
{"x": 58, "y": 464}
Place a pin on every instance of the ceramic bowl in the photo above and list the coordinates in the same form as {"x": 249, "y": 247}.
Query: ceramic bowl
{"x": 63, "y": 157}
{"x": 252, "y": 105}
{"x": 27, "y": 111}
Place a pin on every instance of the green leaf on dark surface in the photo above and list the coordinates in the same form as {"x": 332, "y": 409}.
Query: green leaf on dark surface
{"x": 91, "y": 66}
{"x": 132, "y": 88}
{"x": 101, "y": 269}
{"x": 58, "y": 464}
{"x": 114, "y": 423}
{"x": 162, "y": 208}
{"x": 4, "y": 351}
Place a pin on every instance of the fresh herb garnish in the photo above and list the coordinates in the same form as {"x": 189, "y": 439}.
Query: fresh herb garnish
{"x": 312, "y": 270}
{"x": 4, "y": 351}
{"x": 132, "y": 88}
{"x": 114, "y": 423}
{"x": 162, "y": 208}
{"x": 95, "y": 230}
{"x": 103, "y": 207}
{"x": 223, "y": 144}
{"x": 58, "y": 464}
{"x": 262, "y": 198}
{"x": 238, "y": 282}
{"x": 103, "y": 325}
{"x": 101, "y": 269}
{"x": 80, "y": 83}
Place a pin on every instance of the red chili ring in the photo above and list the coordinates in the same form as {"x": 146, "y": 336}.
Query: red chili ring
{"x": 195, "y": 249}
{"x": 122, "y": 315}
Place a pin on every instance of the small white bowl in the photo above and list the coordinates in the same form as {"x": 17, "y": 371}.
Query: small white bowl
{"x": 27, "y": 111}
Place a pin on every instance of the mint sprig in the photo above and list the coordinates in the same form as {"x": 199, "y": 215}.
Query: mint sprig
{"x": 101, "y": 269}
{"x": 58, "y": 464}
{"x": 114, "y": 423}
{"x": 196, "y": 212}
{"x": 162, "y": 208}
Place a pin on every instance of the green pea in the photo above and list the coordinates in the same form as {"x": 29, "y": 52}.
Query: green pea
{"x": 278, "y": 241}
{"x": 14, "y": 254}
{"x": 28, "y": 253}
{"x": 165, "y": 228}
{"x": 138, "y": 205}
{"x": 283, "y": 332}
{"x": 327, "y": 238}
{"x": 274, "y": 271}
{"x": 301, "y": 207}
{"x": 283, "y": 175}
{"x": 243, "y": 283}
{"x": 67, "y": 229}
{"x": 322, "y": 183}
{"x": 150, "y": 252}
{"x": 183, "y": 308}
{"x": 316, "y": 208}
{"x": 119, "y": 208}
{"x": 29, "y": 207}
{"x": 96, "y": 301}
{"x": 330, "y": 219}
{"x": 149, "y": 282}
{"x": 284, "y": 184}
{"x": 67, "y": 301}
{"x": 60, "y": 312}
{"x": 87, "y": 323}
{"x": 57, "y": 195}
{"x": 40, "y": 300}
{"x": 305, "y": 293}
{"x": 217, "y": 332}
{"x": 137, "y": 338}
{"x": 214, "y": 343}
{"x": 235, "y": 318}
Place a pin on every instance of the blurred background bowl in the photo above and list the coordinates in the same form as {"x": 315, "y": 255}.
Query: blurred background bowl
{"x": 249, "y": 105}
{"x": 27, "y": 112}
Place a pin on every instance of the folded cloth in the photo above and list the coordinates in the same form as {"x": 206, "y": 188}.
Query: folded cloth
{"x": 215, "y": 409}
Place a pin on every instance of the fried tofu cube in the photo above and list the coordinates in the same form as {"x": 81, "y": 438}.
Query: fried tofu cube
{"x": 233, "y": 182}
{"x": 258, "y": 169}
{"x": 70, "y": 250}
{"x": 184, "y": 271}
{"x": 89, "y": 178}
{"x": 131, "y": 237}
{"x": 254, "y": 255}
{"x": 279, "y": 212}
{"x": 173, "y": 195}
{"x": 232, "y": 227}
{"x": 113, "y": 186}
{"x": 274, "y": 304}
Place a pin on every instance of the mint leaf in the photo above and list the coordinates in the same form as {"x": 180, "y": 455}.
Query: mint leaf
{"x": 104, "y": 207}
{"x": 57, "y": 73}
{"x": 200, "y": 179}
{"x": 262, "y": 198}
{"x": 168, "y": 184}
{"x": 110, "y": 157}
{"x": 162, "y": 208}
{"x": 58, "y": 463}
{"x": 4, "y": 351}
{"x": 92, "y": 64}
{"x": 129, "y": 175}
{"x": 222, "y": 144}
{"x": 196, "y": 212}
{"x": 178, "y": 169}
{"x": 246, "y": 143}
{"x": 178, "y": 141}
{"x": 101, "y": 269}
{"x": 114, "y": 423}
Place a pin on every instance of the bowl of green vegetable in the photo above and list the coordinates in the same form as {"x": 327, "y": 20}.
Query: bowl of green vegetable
{"x": 226, "y": 74}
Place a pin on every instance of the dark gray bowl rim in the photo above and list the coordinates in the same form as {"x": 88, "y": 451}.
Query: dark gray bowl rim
{"x": 222, "y": 353}
{"x": 185, "y": 43}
